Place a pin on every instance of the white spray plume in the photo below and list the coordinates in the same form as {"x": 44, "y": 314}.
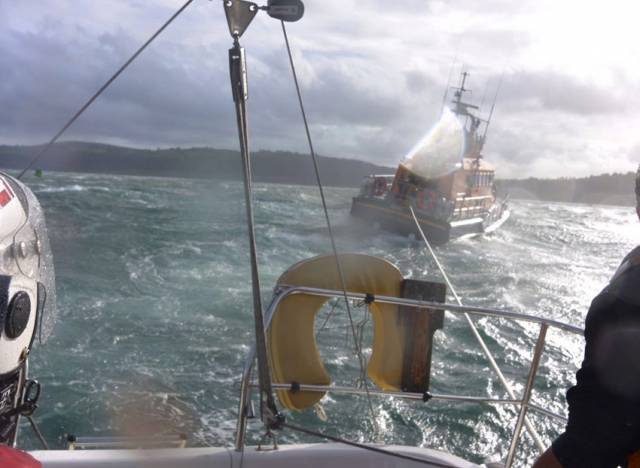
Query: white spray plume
{"x": 440, "y": 150}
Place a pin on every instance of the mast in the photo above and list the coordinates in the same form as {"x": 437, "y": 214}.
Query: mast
{"x": 471, "y": 121}
{"x": 239, "y": 15}
{"x": 457, "y": 95}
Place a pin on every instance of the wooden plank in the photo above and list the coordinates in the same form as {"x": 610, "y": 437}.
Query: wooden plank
{"x": 419, "y": 325}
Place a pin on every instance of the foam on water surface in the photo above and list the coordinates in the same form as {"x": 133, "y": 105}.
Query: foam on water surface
{"x": 155, "y": 304}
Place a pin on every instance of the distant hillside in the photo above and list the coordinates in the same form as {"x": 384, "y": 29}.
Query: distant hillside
{"x": 605, "y": 189}
{"x": 268, "y": 166}
{"x": 286, "y": 167}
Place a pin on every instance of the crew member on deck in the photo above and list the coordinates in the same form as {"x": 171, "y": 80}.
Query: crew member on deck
{"x": 603, "y": 430}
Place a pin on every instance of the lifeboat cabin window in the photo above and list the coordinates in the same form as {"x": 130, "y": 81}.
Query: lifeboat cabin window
{"x": 480, "y": 179}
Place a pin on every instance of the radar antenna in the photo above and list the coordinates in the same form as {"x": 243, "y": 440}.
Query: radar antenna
{"x": 461, "y": 107}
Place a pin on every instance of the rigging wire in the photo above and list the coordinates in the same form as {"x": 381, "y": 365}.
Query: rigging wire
{"x": 532, "y": 431}
{"x": 70, "y": 122}
{"x": 446, "y": 89}
{"x": 493, "y": 105}
{"x": 358, "y": 348}
{"x": 484, "y": 95}
{"x": 326, "y": 319}
{"x": 38, "y": 433}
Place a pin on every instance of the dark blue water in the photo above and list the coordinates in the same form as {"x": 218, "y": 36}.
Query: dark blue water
{"x": 155, "y": 308}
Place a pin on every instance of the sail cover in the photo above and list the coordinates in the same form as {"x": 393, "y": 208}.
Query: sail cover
{"x": 440, "y": 151}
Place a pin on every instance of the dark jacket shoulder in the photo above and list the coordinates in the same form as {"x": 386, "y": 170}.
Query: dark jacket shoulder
{"x": 625, "y": 283}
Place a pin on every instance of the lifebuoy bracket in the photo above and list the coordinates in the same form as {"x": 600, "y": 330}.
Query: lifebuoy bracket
{"x": 420, "y": 326}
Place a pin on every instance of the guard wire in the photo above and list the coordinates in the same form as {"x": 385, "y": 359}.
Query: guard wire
{"x": 531, "y": 430}
{"x": 36, "y": 430}
{"x": 329, "y": 315}
{"x": 354, "y": 333}
{"x": 366, "y": 447}
{"x": 70, "y": 122}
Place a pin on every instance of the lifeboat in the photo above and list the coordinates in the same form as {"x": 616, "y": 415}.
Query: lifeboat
{"x": 444, "y": 178}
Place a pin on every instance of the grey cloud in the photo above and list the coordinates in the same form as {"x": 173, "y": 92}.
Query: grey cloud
{"x": 170, "y": 98}
{"x": 482, "y": 43}
{"x": 372, "y": 77}
{"x": 554, "y": 91}
{"x": 417, "y": 81}
{"x": 159, "y": 100}
{"x": 634, "y": 154}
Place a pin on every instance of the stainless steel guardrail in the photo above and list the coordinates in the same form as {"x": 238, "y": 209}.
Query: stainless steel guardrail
{"x": 524, "y": 404}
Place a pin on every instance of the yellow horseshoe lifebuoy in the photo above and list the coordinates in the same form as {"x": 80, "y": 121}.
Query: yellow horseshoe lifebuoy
{"x": 293, "y": 353}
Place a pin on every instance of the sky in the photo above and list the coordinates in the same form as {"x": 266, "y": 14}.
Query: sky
{"x": 373, "y": 75}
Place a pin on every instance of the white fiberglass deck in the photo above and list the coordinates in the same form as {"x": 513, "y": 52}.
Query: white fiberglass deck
{"x": 328, "y": 455}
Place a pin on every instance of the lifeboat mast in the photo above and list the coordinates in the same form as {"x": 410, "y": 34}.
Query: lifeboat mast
{"x": 471, "y": 122}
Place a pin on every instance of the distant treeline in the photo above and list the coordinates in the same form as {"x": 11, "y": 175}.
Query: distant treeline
{"x": 290, "y": 168}
{"x": 606, "y": 189}
{"x": 267, "y": 166}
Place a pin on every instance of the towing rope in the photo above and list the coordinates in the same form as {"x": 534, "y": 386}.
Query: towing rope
{"x": 530, "y": 428}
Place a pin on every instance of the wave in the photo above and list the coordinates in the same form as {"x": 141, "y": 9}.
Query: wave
{"x": 153, "y": 277}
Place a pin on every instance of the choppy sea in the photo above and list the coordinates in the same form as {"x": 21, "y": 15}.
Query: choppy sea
{"x": 155, "y": 309}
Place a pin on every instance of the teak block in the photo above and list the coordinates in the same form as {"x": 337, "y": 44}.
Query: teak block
{"x": 419, "y": 326}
